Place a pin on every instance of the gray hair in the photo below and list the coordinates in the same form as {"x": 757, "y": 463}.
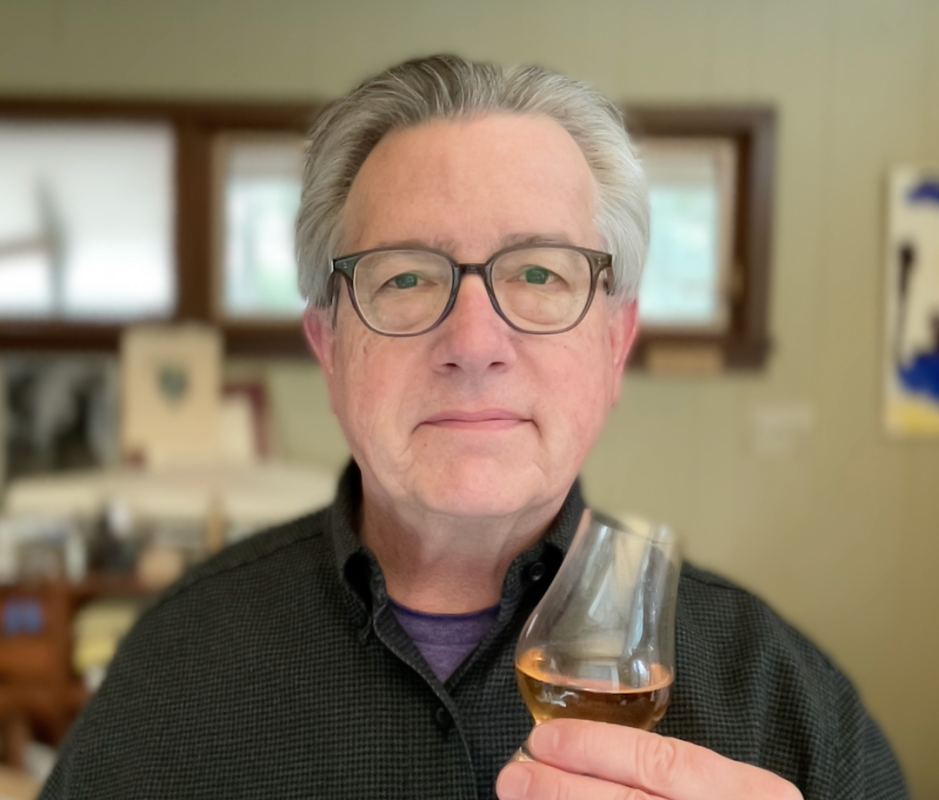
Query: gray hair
{"x": 447, "y": 87}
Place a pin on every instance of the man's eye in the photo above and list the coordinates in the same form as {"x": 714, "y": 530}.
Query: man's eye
{"x": 406, "y": 280}
{"x": 536, "y": 275}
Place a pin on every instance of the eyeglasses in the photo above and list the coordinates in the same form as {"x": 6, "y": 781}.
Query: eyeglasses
{"x": 543, "y": 289}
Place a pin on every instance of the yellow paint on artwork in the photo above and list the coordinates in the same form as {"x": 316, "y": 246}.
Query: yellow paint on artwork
{"x": 910, "y": 416}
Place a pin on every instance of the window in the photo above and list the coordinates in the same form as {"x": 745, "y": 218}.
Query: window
{"x": 691, "y": 195}
{"x": 188, "y": 210}
{"x": 704, "y": 297}
{"x": 86, "y": 227}
{"x": 110, "y": 213}
{"x": 258, "y": 185}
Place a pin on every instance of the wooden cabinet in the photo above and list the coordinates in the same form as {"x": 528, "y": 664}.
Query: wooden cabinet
{"x": 38, "y": 686}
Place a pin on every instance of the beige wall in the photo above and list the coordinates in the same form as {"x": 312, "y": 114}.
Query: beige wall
{"x": 840, "y": 532}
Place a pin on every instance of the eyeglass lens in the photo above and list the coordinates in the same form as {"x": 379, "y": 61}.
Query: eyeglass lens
{"x": 539, "y": 290}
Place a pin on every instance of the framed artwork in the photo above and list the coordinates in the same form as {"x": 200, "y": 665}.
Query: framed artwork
{"x": 171, "y": 394}
{"x": 911, "y": 374}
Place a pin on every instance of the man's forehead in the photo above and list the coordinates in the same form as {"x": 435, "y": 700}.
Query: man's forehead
{"x": 467, "y": 134}
{"x": 500, "y": 179}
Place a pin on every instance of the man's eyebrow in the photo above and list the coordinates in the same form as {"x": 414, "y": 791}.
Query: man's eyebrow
{"x": 444, "y": 245}
{"x": 449, "y": 246}
{"x": 534, "y": 239}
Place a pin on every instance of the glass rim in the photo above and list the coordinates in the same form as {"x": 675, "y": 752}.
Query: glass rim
{"x": 659, "y": 533}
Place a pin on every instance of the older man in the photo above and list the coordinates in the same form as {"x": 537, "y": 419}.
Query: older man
{"x": 471, "y": 241}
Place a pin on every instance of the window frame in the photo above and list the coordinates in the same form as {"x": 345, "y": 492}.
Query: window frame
{"x": 226, "y": 141}
{"x": 196, "y": 124}
{"x": 746, "y": 343}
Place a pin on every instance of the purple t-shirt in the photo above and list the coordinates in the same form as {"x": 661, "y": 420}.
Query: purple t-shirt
{"x": 445, "y": 640}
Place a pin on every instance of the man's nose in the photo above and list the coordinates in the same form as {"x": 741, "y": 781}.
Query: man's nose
{"x": 474, "y": 337}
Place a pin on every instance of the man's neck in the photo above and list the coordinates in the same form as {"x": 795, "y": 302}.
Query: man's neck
{"x": 444, "y": 565}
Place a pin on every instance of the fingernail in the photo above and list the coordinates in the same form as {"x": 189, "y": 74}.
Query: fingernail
{"x": 544, "y": 738}
{"x": 513, "y": 783}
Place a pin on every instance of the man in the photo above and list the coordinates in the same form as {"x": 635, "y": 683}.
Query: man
{"x": 470, "y": 242}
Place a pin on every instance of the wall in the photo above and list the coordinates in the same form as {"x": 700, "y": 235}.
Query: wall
{"x": 840, "y": 534}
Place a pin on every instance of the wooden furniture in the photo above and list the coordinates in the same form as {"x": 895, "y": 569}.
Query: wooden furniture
{"x": 17, "y": 785}
{"x": 37, "y": 683}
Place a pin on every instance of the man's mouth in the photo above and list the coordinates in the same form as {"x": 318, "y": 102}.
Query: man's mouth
{"x": 490, "y": 419}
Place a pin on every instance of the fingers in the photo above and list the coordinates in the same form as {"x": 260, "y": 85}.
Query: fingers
{"x": 533, "y": 781}
{"x": 660, "y": 766}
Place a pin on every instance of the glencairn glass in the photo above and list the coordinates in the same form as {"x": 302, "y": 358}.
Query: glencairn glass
{"x": 601, "y": 643}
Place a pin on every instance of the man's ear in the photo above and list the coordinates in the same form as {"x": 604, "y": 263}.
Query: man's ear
{"x": 321, "y": 336}
{"x": 624, "y": 325}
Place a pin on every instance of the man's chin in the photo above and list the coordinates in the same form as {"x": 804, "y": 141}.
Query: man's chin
{"x": 463, "y": 492}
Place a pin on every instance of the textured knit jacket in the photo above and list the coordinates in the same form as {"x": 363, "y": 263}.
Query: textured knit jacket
{"x": 278, "y": 670}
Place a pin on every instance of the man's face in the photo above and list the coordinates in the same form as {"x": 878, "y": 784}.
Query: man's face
{"x": 472, "y": 418}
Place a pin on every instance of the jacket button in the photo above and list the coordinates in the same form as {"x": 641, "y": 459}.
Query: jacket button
{"x": 443, "y": 719}
{"x": 537, "y": 571}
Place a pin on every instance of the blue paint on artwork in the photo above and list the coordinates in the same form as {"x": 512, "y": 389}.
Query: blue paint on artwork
{"x": 925, "y": 192}
{"x": 921, "y": 376}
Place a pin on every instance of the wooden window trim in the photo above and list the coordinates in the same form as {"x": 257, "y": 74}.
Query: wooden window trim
{"x": 745, "y": 345}
{"x": 195, "y": 124}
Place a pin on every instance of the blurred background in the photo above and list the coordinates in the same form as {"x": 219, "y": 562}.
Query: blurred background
{"x": 148, "y": 157}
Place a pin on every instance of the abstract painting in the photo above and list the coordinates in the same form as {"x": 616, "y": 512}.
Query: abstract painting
{"x": 912, "y": 319}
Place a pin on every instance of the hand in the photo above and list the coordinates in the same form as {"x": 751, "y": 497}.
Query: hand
{"x": 578, "y": 759}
